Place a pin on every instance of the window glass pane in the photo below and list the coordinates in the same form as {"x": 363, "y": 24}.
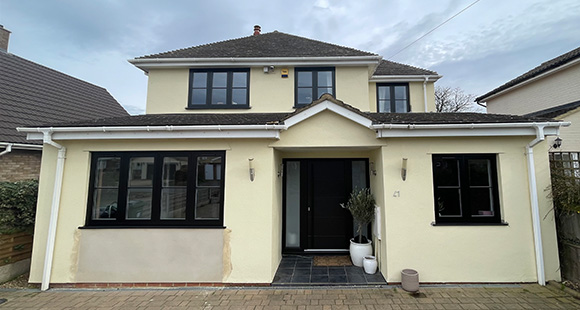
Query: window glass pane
{"x": 175, "y": 171}
{"x": 400, "y": 106}
{"x": 304, "y": 79}
{"x": 384, "y": 92}
{"x": 479, "y": 172}
{"x": 384, "y": 106}
{"x": 293, "y": 204}
{"x": 448, "y": 202}
{"x": 240, "y": 79}
{"x": 481, "y": 202}
{"x": 400, "y": 92}
{"x": 325, "y": 79}
{"x": 141, "y": 171}
{"x": 220, "y": 79}
{"x": 218, "y": 96}
{"x": 324, "y": 90}
{"x": 107, "y": 174}
{"x": 304, "y": 95}
{"x": 359, "y": 174}
{"x": 104, "y": 203}
{"x": 208, "y": 171}
{"x": 198, "y": 96}
{"x": 239, "y": 97}
{"x": 207, "y": 203}
{"x": 139, "y": 203}
{"x": 173, "y": 201}
{"x": 200, "y": 79}
{"x": 446, "y": 172}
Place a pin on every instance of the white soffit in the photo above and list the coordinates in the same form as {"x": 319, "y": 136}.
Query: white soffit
{"x": 465, "y": 130}
{"x": 404, "y": 78}
{"x": 330, "y": 106}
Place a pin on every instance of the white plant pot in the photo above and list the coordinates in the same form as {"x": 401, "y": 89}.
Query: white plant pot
{"x": 370, "y": 264}
{"x": 358, "y": 251}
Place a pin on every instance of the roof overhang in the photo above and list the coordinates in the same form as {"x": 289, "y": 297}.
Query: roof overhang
{"x": 404, "y": 78}
{"x": 146, "y": 64}
{"x": 530, "y": 80}
{"x": 328, "y": 105}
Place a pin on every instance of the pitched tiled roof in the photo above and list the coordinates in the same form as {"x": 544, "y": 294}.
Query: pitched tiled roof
{"x": 544, "y": 67}
{"x": 387, "y": 67}
{"x": 32, "y": 94}
{"x": 272, "y": 44}
{"x": 555, "y": 111}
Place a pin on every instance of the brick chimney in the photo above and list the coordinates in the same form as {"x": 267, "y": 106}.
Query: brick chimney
{"x": 257, "y": 30}
{"x": 4, "y": 37}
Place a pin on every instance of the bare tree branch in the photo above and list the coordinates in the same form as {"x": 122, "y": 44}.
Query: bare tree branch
{"x": 449, "y": 99}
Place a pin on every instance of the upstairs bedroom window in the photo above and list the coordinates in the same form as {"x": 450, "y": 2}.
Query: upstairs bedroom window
{"x": 311, "y": 83}
{"x": 393, "y": 98}
{"x": 161, "y": 189}
{"x": 466, "y": 189}
{"x": 219, "y": 89}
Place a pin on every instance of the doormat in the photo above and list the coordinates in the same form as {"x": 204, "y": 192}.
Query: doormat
{"x": 332, "y": 261}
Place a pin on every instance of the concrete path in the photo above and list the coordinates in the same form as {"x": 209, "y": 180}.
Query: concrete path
{"x": 528, "y": 296}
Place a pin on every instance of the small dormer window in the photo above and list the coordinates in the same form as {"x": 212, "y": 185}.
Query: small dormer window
{"x": 311, "y": 83}
{"x": 219, "y": 89}
{"x": 393, "y": 98}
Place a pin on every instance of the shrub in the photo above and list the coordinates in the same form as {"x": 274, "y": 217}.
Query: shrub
{"x": 17, "y": 205}
{"x": 361, "y": 205}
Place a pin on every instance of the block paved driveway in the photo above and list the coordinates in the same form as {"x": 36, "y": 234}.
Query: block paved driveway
{"x": 527, "y": 296}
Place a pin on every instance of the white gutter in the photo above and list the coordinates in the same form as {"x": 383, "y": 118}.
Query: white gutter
{"x": 7, "y": 150}
{"x": 468, "y": 126}
{"x": 403, "y": 78}
{"x": 153, "y": 128}
{"x": 51, "y": 238}
{"x": 425, "y": 92}
{"x": 535, "y": 208}
{"x": 22, "y": 146}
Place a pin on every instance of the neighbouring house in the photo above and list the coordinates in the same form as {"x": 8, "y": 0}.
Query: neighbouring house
{"x": 246, "y": 151}
{"x": 31, "y": 94}
{"x": 551, "y": 89}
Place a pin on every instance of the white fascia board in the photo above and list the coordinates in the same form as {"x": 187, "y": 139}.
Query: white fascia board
{"x": 142, "y": 135}
{"x": 151, "y": 63}
{"x": 328, "y": 105}
{"x": 404, "y": 78}
{"x": 466, "y": 130}
{"x": 535, "y": 78}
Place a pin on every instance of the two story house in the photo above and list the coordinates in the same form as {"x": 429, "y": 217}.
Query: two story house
{"x": 246, "y": 151}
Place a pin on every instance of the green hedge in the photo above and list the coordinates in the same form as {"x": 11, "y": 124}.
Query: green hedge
{"x": 565, "y": 191}
{"x": 17, "y": 205}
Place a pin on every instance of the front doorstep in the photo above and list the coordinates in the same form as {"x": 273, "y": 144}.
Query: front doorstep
{"x": 299, "y": 270}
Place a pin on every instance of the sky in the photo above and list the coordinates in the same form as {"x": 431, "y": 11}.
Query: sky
{"x": 480, "y": 49}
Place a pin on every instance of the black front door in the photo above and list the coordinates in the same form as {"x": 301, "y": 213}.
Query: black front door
{"x": 313, "y": 192}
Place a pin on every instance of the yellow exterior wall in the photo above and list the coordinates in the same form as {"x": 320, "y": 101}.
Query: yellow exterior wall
{"x": 570, "y": 135}
{"x": 415, "y": 96}
{"x": 351, "y": 86}
{"x": 167, "y": 91}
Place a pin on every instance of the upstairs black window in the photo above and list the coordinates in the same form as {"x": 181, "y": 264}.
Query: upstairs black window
{"x": 311, "y": 83}
{"x": 466, "y": 188}
{"x": 393, "y": 98}
{"x": 219, "y": 89}
{"x": 156, "y": 189}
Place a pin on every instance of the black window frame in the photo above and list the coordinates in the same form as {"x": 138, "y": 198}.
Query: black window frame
{"x": 209, "y": 86}
{"x": 392, "y": 96}
{"x": 314, "y": 71}
{"x": 464, "y": 186}
{"x": 155, "y": 221}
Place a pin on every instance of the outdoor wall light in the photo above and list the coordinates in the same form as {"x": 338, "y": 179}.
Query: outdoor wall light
{"x": 281, "y": 170}
{"x": 252, "y": 170}
{"x": 557, "y": 143}
{"x": 404, "y": 169}
{"x": 372, "y": 168}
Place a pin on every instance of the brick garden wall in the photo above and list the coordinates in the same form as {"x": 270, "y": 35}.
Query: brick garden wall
{"x": 20, "y": 165}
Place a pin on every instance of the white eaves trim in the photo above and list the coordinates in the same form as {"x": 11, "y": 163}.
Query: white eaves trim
{"x": 330, "y": 106}
{"x": 22, "y": 146}
{"x": 156, "y": 132}
{"x": 467, "y": 130}
{"x": 151, "y": 63}
{"x": 404, "y": 78}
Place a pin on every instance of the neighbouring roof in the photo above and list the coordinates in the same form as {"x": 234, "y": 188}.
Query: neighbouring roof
{"x": 32, "y": 94}
{"x": 555, "y": 111}
{"x": 387, "y": 67}
{"x": 544, "y": 67}
{"x": 272, "y": 44}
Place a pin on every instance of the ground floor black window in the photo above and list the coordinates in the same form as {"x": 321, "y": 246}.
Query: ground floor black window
{"x": 466, "y": 188}
{"x": 156, "y": 189}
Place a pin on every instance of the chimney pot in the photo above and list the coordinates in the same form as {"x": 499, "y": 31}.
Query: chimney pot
{"x": 257, "y": 30}
{"x": 4, "y": 38}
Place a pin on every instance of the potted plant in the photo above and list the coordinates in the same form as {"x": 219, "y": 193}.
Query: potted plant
{"x": 361, "y": 205}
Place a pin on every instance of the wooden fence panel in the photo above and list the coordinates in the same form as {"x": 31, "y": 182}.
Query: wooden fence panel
{"x": 15, "y": 247}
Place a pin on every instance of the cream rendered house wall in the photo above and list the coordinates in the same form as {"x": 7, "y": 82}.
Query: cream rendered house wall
{"x": 570, "y": 135}
{"x": 550, "y": 91}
